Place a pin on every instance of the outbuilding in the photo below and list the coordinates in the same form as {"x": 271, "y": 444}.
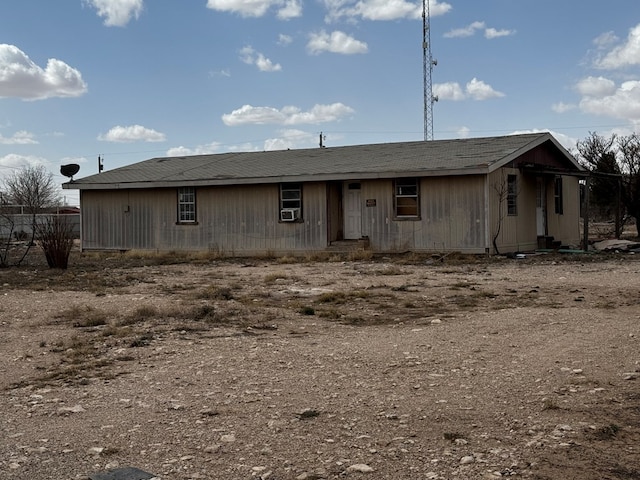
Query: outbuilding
{"x": 474, "y": 195}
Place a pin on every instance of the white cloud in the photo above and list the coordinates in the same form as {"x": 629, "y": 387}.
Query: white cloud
{"x": 225, "y": 72}
{"x": 257, "y": 8}
{"x": 467, "y": 31}
{"x": 22, "y": 78}
{"x": 19, "y": 138}
{"x": 266, "y": 65}
{"x": 471, "y": 29}
{"x": 289, "y": 115}
{"x": 132, "y": 133}
{"x": 475, "y": 89}
{"x": 291, "y": 139}
{"x": 117, "y": 13}
{"x": 491, "y": 33}
{"x": 562, "y": 107}
{"x": 605, "y": 40}
{"x": 622, "y": 102}
{"x": 464, "y": 132}
{"x": 448, "y": 91}
{"x": 478, "y": 90}
{"x": 336, "y": 42}
{"x": 381, "y": 9}
{"x": 566, "y": 141}
{"x": 249, "y": 56}
{"x": 284, "y": 39}
{"x": 627, "y": 54}
{"x": 15, "y": 162}
{"x": 291, "y": 9}
{"x": 596, "y": 87}
{"x": 206, "y": 149}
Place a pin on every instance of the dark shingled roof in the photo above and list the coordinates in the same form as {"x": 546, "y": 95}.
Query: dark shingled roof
{"x": 386, "y": 160}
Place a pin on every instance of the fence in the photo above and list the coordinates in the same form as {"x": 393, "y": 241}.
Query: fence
{"x": 19, "y": 225}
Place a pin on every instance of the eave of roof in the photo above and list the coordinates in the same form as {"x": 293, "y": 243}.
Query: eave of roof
{"x": 391, "y": 160}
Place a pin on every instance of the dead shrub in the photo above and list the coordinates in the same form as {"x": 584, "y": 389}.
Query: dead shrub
{"x": 83, "y": 316}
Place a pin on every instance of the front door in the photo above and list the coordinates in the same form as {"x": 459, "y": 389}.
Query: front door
{"x": 352, "y": 211}
{"x": 541, "y": 207}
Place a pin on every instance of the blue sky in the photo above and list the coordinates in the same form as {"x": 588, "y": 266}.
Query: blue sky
{"x": 136, "y": 79}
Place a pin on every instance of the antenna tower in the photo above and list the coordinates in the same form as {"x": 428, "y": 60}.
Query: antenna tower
{"x": 427, "y": 68}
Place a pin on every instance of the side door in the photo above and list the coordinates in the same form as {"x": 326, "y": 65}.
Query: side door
{"x": 352, "y": 211}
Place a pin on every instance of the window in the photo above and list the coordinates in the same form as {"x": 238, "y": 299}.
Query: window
{"x": 290, "y": 201}
{"x": 407, "y": 198}
{"x": 557, "y": 195}
{"x": 512, "y": 195}
{"x": 186, "y": 205}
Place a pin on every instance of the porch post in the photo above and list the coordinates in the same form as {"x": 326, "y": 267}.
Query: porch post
{"x": 585, "y": 213}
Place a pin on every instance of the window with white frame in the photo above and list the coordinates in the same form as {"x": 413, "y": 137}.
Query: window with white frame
{"x": 290, "y": 201}
{"x": 407, "y": 198}
{"x": 186, "y": 205}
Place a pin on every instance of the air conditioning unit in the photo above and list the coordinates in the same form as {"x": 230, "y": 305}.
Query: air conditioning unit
{"x": 289, "y": 214}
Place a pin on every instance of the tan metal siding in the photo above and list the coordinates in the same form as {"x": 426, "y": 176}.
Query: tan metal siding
{"x": 451, "y": 216}
{"x": 231, "y": 220}
{"x": 565, "y": 227}
{"x": 516, "y": 232}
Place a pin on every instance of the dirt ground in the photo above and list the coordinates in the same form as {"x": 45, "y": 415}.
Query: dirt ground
{"x": 381, "y": 368}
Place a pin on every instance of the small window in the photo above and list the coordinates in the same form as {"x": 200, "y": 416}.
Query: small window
{"x": 291, "y": 199}
{"x": 186, "y": 205}
{"x": 512, "y": 195}
{"x": 557, "y": 195}
{"x": 407, "y": 198}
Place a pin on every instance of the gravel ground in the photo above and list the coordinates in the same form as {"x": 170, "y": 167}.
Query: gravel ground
{"x": 395, "y": 368}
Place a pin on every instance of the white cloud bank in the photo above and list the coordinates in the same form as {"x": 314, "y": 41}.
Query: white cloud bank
{"x": 19, "y": 138}
{"x": 247, "y": 115}
{"x": 336, "y": 42}
{"x": 619, "y": 99}
{"x": 206, "y": 149}
{"x": 14, "y": 162}
{"x": 471, "y": 29}
{"x": 117, "y": 13}
{"x": 132, "y": 133}
{"x": 475, "y": 90}
{"x": 381, "y": 9}
{"x": 291, "y": 139}
{"x": 20, "y": 77}
{"x": 624, "y": 55}
{"x": 286, "y": 9}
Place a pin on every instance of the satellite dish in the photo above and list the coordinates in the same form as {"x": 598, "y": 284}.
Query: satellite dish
{"x": 70, "y": 170}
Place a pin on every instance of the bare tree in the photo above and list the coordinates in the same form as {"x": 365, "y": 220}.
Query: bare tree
{"x": 598, "y": 154}
{"x": 505, "y": 190}
{"x": 33, "y": 190}
{"x": 629, "y": 158}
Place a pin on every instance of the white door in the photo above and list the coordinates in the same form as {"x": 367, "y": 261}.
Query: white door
{"x": 352, "y": 211}
{"x": 541, "y": 207}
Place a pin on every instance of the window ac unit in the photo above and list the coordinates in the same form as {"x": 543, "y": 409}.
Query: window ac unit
{"x": 289, "y": 214}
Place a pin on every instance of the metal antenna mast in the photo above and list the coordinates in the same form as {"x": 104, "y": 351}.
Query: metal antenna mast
{"x": 427, "y": 68}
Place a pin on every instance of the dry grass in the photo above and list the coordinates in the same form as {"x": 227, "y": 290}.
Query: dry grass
{"x": 82, "y": 316}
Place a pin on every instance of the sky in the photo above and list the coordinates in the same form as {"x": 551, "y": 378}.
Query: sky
{"x": 130, "y": 80}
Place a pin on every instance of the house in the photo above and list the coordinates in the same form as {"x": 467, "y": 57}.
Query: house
{"x": 476, "y": 195}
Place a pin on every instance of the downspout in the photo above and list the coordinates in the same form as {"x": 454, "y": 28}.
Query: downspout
{"x": 487, "y": 232}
